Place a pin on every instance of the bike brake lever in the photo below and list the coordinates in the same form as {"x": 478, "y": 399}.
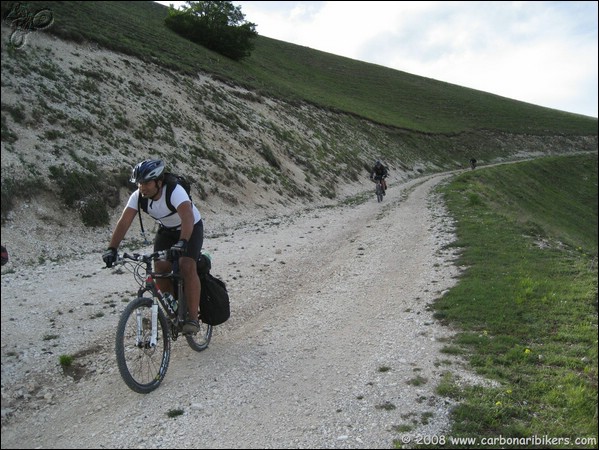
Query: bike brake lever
{"x": 133, "y": 256}
{"x": 166, "y": 255}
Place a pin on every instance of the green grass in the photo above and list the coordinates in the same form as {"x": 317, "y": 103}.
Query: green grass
{"x": 175, "y": 412}
{"x": 65, "y": 360}
{"x": 527, "y": 303}
{"x": 297, "y": 74}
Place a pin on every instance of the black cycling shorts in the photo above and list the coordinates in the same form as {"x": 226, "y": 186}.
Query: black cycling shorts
{"x": 166, "y": 238}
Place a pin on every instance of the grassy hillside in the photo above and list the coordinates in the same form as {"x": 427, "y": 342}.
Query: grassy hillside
{"x": 289, "y": 71}
{"x": 527, "y": 303}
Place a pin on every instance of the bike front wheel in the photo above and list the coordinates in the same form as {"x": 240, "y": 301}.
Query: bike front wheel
{"x": 142, "y": 364}
{"x": 379, "y": 193}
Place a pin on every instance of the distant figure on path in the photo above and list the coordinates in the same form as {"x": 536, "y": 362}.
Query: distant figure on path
{"x": 380, "y": 172}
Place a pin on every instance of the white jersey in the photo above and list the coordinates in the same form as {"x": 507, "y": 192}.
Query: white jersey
{"x": 160, "y": 211}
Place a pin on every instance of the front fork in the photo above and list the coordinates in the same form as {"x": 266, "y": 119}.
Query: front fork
{"x": 140, "y": 338}
{"x": 154, "y": 336}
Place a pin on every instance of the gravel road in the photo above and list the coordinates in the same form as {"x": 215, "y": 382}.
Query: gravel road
{"x": 331, "y": 343}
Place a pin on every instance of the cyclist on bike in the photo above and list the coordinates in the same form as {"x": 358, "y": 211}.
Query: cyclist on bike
{"x": 380, "y": 172}
{"x": 4, "y": 255}
{"x": 472, "y": 163}
{"x": 181, "y": 232}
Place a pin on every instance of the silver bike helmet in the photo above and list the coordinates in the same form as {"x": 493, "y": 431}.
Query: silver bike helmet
{"x": 150, "y": 169}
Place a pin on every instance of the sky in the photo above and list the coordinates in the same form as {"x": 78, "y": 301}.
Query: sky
{"x": 544, "y": 53}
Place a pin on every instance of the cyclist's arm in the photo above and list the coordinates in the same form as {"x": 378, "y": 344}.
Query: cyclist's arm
{"x": 122, "y": 226}
{"x": 185, "y": 212}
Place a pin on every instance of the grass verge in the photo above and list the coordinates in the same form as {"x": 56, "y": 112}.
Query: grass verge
{"x": 526, "y": 304}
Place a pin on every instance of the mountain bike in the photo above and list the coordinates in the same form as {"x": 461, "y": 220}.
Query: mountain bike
{"x": 379, "y": 190}
{"x": 149, "y": 323}
{"x": 24, "y": 21}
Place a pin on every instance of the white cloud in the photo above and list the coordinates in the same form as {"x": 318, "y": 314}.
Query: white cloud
{"x": 543, "y": 53}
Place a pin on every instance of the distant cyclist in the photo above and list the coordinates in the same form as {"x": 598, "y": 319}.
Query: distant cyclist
{"x": 380, "y": 172}
{"x": 473, "y": 163}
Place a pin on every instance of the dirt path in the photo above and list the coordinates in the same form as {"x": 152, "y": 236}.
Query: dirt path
{"x": 330, "y": 344}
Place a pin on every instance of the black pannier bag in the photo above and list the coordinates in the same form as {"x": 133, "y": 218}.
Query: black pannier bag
{"x": 214, "y": 298}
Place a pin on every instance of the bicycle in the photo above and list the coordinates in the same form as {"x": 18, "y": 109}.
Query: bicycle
{"x": 379, "y": 190}
{"x": 23, "y": 21}
{"x": 149, "y": 323}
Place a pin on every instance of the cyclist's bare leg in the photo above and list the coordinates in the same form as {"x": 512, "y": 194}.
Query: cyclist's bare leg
{"x": 192, "y": 285}
{"x": 164, "y": 284}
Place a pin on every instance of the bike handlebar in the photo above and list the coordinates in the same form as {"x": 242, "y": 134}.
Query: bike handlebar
{"x": 156, "y": 256}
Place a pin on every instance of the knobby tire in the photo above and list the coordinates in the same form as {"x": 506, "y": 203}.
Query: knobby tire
{"x": 142, "y": 367}
{"x": 379, "y": 192}
{"x": 200, "y": 340}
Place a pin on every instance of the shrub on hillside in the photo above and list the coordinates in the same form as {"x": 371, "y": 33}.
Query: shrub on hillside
{"x": 216, "y": 25}
{"x": 88, "y": 192}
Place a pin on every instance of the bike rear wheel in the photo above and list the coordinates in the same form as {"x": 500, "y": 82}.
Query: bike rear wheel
{"x": 379, "y": 192}
{"x": 142, "y": 366}
{"x": 200, "y": 340}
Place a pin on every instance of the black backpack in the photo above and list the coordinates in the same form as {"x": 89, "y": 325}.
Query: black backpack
{"x": 171, "y": 180}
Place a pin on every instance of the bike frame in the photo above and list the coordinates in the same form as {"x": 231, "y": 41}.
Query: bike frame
{"x": 177, "y": 317}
